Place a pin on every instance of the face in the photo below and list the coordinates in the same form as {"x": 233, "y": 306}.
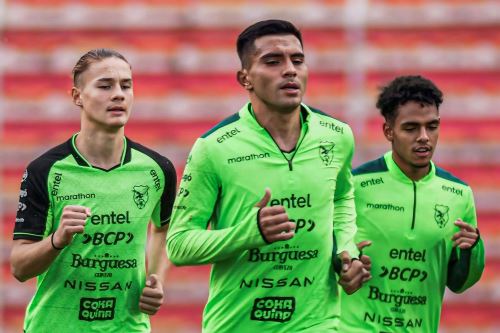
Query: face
{"x": 414, "y": 135}
{"x": 104, "y": 93}
{"x": 276, "y": 76}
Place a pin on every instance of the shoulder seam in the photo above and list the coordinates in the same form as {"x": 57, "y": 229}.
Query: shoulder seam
{"x": 374, "y": 166}
{"x": 317, "y": 111}
{"x": 441, "y": 173}
{"x": 229, "y": 120}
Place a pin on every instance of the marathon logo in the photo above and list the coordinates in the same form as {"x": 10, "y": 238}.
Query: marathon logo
{"x": 385, "y": 206}
{"x": 247, "y": 158}
{"x": 92, "y": 309}
{"x": 76, "y": 196}
{"x": 277, "y": 309}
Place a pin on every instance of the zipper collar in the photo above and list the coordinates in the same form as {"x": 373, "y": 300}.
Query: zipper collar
{"x": 246, "y": 113}
{"x": 400, "y": 175}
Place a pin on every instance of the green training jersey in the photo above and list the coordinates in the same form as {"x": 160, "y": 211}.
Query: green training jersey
{"x": 287, "y": 286}
{"x": 95, "y": 283}
{"x": 411, "y": 224}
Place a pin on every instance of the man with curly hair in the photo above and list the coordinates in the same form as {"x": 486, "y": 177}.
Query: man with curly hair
{"x": 420, "y": 219}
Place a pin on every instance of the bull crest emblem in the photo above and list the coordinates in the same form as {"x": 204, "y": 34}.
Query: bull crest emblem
{"x": 441, "y": 215}
{"x": 140, "y": 195}
{"x": 326, "y": 152}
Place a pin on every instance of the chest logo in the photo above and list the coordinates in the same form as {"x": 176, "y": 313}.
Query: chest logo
{"x": 326, "y": 152}
{"x": 141, "y": 195}
{"x": 441, "y": 215}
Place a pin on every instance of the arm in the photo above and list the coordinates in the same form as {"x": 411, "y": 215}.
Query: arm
{"x": 344, "y": 218}
{"x": 466, "y": 263}
{"x": 157, "y": 256}
{"x": 153, "y": 295}
{"x": 30, "y": 258}
{"x": 188, "y": 241}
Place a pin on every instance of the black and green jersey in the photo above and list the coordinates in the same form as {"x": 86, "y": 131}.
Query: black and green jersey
{"x": 95, "y": 283}
{"x": 282, "y": 287}
{"x": 411, "y": 224}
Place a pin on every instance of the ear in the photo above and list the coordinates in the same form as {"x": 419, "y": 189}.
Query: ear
{"x": 388, "y": 131}
{"x": 76, "y": 95}
{"x": 242, "y": 77}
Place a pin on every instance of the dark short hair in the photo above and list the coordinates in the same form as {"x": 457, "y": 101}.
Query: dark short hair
{"x": 91, "y": 57}
{"x": 246, "y": 39}
{"x": 404, "y": 89}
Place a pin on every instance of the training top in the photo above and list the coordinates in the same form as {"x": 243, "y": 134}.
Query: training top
{"x": 287, "y": 286}
{"x": 411, "y": 224}
{"x": 95, "y": 283}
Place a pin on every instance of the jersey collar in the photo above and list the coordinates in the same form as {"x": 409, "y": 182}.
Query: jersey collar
{"x": 246, "y": 113}
{"x": 399, "y": 174}
{"x": 80, "y": 159}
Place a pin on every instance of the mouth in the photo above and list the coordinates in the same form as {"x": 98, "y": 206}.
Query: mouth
{"x": 116, "y": 109}
{"x": 291, "y": 87}
{"x": 423, "y": 151}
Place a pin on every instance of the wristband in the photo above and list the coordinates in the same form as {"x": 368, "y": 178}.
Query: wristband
{"x": 52, "y": 242}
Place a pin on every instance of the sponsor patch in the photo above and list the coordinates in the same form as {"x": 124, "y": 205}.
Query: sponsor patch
{"x": 92, "y": 309}
{"x": 278, "y": 309}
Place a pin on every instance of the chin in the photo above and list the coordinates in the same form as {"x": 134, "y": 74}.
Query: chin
{"x": 422, "y": 164}
{"x": 290, "y": 106}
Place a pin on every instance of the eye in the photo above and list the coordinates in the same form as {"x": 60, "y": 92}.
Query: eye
{"x": 104, "y": 87}
{"x": 272, "y": 62}
{"x": 298, "y": 61}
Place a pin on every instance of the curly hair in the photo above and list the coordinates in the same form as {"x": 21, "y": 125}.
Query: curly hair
{"x": 404, "y": 89}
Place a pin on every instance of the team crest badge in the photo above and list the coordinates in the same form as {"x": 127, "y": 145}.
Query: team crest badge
{"x": 326, "y": 152}
{"x": 441, "y": 215}
{"x": 140, "y": 195}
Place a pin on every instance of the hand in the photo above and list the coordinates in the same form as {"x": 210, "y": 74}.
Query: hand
{"x": 273, "y": 221}
{"x": 466, "y": 237}
{"x": 353, "y": 273}
{"x": 72, "y": 222}
{"x": 152, "y": 295}
{"x": 365, "y": 260}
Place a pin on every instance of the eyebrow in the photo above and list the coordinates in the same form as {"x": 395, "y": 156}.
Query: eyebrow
{"x": 281, "y": 54}
{"x": 108, "y": 79}
{"x": 412, "y": 123}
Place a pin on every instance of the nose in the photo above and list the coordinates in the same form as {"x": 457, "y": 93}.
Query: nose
{"x": 422, "y": 135}
{"x": 289, "y": 69}
{"x": 118, "y": 94}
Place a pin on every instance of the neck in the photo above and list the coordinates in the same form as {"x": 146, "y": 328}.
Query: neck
{"x": 284, "y": 127}
{"x": 101, "y": 149}
{"x": 412, "y": 172}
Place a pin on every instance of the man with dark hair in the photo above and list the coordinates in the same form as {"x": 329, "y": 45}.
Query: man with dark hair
{"x": 421, "y": 219}
{"x": 273, "y": 181}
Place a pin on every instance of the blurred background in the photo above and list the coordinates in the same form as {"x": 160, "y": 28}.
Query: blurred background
{"x": 184, "y": 63}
